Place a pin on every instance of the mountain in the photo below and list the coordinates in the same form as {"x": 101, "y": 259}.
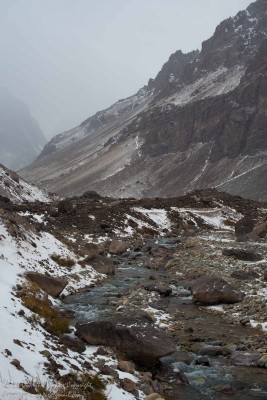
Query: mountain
{"x": 200, "y": 123}
{"x": 21, "y": 138}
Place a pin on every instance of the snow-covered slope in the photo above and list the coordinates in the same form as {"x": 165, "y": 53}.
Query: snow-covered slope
{"x": 17, "y": 189}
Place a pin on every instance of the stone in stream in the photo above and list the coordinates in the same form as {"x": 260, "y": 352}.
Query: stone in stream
{"x": 244, "y": 255}
{"x": 134, "y": 336}
{"x": 244, "y": 358}
{"x": 50, "y": 284}
{"x": 161, "y": 289}
{"x": 208, "y": 290}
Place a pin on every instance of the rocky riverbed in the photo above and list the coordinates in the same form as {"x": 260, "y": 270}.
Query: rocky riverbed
{"x": 172, "y": 290}
{"x": 220, "y": 347}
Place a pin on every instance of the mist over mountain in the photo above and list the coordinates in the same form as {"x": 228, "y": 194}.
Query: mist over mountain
{"x": 200, "y": 123}
{"x": 21, "y": 138}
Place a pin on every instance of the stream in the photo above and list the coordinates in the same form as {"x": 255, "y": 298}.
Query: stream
{"x": 218, "y": 381}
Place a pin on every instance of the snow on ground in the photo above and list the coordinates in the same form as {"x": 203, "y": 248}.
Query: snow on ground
{"x": 159, "y": 216}
{"x": 221, "y": 218}
{"x": 17, "y": 256}
{"x": 212, "y": 84}
{"x": 19, "y": 190}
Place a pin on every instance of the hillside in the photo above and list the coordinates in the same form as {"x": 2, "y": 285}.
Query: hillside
{"x": 200, "y": 123}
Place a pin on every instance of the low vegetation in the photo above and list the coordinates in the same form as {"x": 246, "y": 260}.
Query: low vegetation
{"x": 82, "y": 386}
{"x": 34, "y": 300}
{"x": 63, "y": 261}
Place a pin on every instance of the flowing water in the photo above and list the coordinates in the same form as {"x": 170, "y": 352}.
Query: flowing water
{"x": 204, "y": 381}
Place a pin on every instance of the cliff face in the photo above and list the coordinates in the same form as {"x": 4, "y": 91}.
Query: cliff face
{"x": 21, "y": 138}
{"x": 200, "y": 123}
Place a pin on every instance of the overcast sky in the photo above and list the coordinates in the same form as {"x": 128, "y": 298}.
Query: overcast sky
{"x": 68, "y": 59}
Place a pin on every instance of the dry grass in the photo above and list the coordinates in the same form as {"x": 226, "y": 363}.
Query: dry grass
{"x": 63, "y": 261}
{"x": 34, "y": 301}
{"x": 82, "y": 386}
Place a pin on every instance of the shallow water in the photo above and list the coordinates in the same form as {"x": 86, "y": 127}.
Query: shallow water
{"x": 205, "y": 382}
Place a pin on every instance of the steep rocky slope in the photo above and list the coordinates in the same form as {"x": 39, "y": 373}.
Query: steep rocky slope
{"x": 200, "y": 123}
{"x": 21, "y": 138}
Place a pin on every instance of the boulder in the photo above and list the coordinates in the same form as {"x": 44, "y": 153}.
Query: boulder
{"x": 91, "y": 194}
{"x": 244, "y": 275}
{"x": 263, "y": 361}
{"x": 161, "y": 289}
{"x": 134, "y": 336}
{"x": 50, "y": 284}
{"x": 126, "y": 366}
{"x": 4, "y": 199}
{"x": 118, "y": 247}
{"x": 244, "y": 226}
{"x": 209, "y": 290}
{"x": 245, "y": 359}
{"x": 74, "y": 344}
{"x": 65, "y": 206}
{"x": 128, "y": 385}
{"x": 101, "y": 264}
{"x": 260, "y": 230}
{"x": 243, "y": 255}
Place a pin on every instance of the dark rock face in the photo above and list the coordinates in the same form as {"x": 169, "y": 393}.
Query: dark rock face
{"x": 51, "y": 285}
{"x": 244, "y": 255}
{"x": 136, "y": 337}
{"x": 208, "y": 290}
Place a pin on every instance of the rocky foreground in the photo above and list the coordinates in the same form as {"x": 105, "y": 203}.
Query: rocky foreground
{"x": 191, "y": 325}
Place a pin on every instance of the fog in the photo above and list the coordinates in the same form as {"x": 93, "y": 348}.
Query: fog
{"x": 67, "y": 59}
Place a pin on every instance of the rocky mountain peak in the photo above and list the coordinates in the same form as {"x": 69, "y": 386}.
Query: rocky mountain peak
{"x": 172, "y": 70}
